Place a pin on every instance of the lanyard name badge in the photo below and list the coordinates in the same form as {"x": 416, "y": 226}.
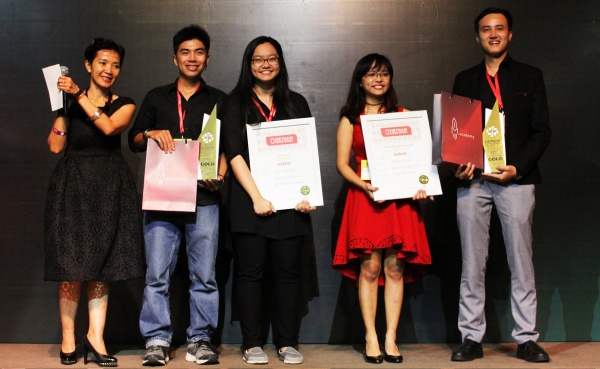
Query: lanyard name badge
{"x": 182, "y": 112}
{"x": 271, "y": 113}
{"x": 495, "y": 86}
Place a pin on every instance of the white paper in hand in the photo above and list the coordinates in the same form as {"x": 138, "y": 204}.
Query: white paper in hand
{"x": 51, "y": 75}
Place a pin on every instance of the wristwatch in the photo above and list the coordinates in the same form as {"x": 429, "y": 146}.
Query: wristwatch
{"x": 146, "y": 133}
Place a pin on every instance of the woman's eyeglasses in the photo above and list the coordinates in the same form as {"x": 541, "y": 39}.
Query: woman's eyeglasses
{"x": 258, "y": 62}
{"x": 383, "y": 75}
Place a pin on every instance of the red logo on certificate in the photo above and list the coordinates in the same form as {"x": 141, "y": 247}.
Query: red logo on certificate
{"x": 396, "y": 131}
{"x": 282, "y": 140}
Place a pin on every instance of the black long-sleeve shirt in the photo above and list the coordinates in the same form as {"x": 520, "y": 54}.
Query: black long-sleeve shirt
{"x": 159, "y": 112}
{"x": 525, "y": 106}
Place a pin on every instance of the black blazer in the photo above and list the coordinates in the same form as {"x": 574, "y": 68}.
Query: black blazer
{"x": 525, "y": 107}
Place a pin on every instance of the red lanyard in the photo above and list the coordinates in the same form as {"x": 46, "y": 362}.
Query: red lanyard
{"x": 271, "y": 113}
{"x": 495, "y": 86}
{"x": 182, "y": 112}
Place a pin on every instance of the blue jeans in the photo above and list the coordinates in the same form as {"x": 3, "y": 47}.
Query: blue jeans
{"x": 163, "y": 233}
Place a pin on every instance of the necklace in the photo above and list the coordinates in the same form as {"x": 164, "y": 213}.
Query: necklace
{"x": 108, "y": 101}
{"x": 372, "y": 107}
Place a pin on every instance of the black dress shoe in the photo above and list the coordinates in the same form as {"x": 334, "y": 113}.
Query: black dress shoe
{"x": 68, "y": 359}
{"x": 467, "y": 351}
{"x": 374, "y": 359}
{"x": 392, "y": 358}
{"x": 532, "y": 352}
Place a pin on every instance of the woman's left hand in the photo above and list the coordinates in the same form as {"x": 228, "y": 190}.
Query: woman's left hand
{"x": 304, "y": 207}
{"x": 67, "y": 85}
{"x": 421, "y": 195}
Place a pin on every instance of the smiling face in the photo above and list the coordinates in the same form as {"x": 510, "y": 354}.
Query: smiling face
{"x": 494, "y": 35}
{"x": 376, "y": 84}
{"x": 265, "y": 64}
{"x": 191, "y": 59}
{"x": 105, "y": 68}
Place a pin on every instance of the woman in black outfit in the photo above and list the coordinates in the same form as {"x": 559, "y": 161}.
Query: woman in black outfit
{"x": 92, "y": 227}
{"x": 263, "y": 237}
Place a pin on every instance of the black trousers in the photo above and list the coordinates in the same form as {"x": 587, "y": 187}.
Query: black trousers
{"x": 256, "y": 257}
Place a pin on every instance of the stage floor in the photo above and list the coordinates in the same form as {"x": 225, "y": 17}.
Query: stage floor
{"x": 562, "y": 354}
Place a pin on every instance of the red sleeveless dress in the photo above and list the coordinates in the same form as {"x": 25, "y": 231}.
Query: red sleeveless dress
{"x": 367, "y": 225}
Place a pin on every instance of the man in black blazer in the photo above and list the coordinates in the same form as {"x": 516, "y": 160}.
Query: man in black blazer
{"x": 521, "y": 96}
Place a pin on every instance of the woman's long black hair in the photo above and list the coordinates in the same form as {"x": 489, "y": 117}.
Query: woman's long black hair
{"x": 356, "y": 101}
{"x": 281, "y": 95}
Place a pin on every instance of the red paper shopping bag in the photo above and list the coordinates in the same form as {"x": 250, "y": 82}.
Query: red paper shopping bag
{"x": 456, "y": 130}
{"x": 171, "y": 180}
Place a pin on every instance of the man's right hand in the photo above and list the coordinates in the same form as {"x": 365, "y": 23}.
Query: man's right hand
{"x": 163, "y": 139}
{"x": 465, "y": 172}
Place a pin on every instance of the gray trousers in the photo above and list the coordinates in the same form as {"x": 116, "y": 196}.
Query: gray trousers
{"x": 514, "y": 205}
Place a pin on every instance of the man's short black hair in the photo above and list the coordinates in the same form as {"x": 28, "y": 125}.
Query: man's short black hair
{"x": 492, "y": 10}
{"x": 191, "y": 32}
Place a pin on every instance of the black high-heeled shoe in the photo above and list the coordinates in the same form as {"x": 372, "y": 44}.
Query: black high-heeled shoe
{"x": 101, "y": 360}
{"x": 68, "y": 359}
{"x": 374, "y": 359}
{"x": 392, "y": 358}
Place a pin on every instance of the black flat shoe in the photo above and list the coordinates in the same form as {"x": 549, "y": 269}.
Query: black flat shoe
{"x": 374, "y": 359}
{"x": 68, "y": 359}
{"x": 392, "y": 358}
{"x": 101, "y": 360}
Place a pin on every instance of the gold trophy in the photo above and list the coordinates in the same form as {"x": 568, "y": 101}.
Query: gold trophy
{"x": 493, "y": 141}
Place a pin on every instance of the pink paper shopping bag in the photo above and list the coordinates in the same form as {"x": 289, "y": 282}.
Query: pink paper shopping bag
{"x": 170, "y": 180}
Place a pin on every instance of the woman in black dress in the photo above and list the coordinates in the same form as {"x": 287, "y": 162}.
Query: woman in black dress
{"x": 92, "y": 225}
{"x": 263, "y": 237}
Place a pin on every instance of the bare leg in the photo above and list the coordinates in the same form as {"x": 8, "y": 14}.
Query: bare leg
{"x": 394, "y": 292}
{"x": 370, "y": 268}
{"x": 68, "y": 301}
{"x": 97, "y": 294}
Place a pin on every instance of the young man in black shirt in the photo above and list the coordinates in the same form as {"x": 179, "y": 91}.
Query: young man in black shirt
{"x": 177, "y": 110}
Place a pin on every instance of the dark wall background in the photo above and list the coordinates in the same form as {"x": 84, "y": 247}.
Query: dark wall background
{"x": 428, "y": 43}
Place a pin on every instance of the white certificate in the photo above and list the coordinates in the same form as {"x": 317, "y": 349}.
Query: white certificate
{"x": 284, "y": 162}
{"x": 398, "y": 149}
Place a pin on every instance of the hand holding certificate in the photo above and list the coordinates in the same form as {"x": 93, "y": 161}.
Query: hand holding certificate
{"x": 284, "y": 162}
{"x": 398, "y": 149}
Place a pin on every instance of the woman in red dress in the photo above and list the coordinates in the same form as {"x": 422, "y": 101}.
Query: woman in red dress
{"x": 376, "y": 236}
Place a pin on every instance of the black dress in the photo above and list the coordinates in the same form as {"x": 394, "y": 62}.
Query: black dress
{"x": 92, "y": 225}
